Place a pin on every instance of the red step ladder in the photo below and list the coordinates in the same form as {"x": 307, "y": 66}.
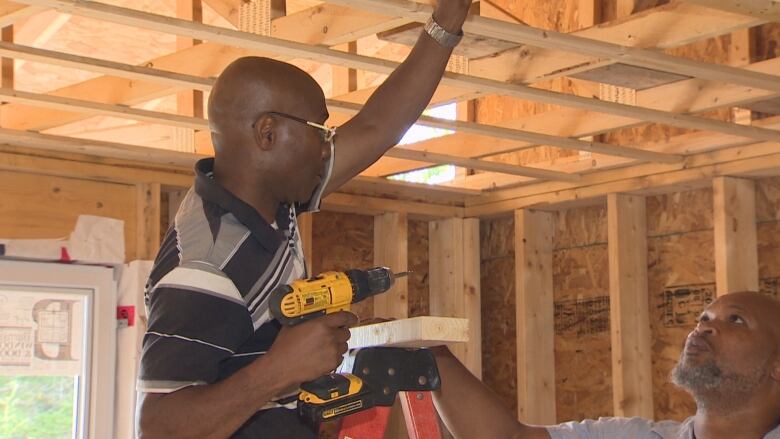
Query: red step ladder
{"x": 419, "y": 414}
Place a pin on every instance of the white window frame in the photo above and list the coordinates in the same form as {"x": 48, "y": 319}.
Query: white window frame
{"x": 99, "y": 285}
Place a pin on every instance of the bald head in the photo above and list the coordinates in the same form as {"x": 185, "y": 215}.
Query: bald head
{"x": 251, "y": 86}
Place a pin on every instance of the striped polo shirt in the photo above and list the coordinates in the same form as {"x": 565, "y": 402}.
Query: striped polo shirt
{"x": 207, "y": 297}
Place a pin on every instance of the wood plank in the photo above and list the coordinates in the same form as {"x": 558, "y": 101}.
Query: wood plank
{"x": 632, "y": 380}
{"x": 287, "y": 48}
{"x": 11, "y": 12}
{"x": 521, "y": 34}
{"x": 189, "y": 103}
{"x": 362, "y": 205}
{"x": 734, "y": 221}
{"x": 141, "y": 73}
{"x": 764, "y": 9}
{"x": 390, "y": 250}
{"x": 690, "y": 96}
{"x": 148, "y": 222}
{"x": 534, "y": 316}
{"x": 454, "y": 281}
{"x": 204, "y": 60}
{"x": 7, "y": 65}
{"x": 79, "y": 105}
{"x": 416, "y": 332}
{"x": 754, "y": 161}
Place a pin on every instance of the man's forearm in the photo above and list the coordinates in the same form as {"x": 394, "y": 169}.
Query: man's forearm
{"x": 398, "y": 102}
{"x": 211, "y": 411}
{"x": 469, "y": 409}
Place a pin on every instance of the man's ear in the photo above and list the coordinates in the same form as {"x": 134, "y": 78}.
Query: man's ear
{"x": 264, "y": 132}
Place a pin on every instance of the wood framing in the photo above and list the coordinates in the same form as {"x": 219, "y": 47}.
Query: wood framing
{"x": 148, "y": 223}
{"x": 534, "y": 317}
{"x": 736, "y": 251}
{"x": 764, "y": 9}
{"x": 390, "y": 250}
{"x": 454, "y": 279}
{"x": 416, "y": 332}
{"x": 632, "y": 380}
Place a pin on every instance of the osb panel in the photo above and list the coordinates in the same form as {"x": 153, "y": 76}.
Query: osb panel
{"x": 681, "y": 262}
{"x": 579, "y": 227}
{"x": 768, "y": 235}
{"x": 714, "y": 50}
{"x": 558, "y": 15}
{"x": 497, "y": 238}
{"x": 343, "y": 241}
{"x": 499, "y": 351}
{"x": 609, "y": 7}
{"x": 417, "y": 254}
{"x": 768, "y": 199}
{"x": 679, "y": 212}
{"x": 39, "y": 206}
{"x": 583, "y": 362}
{"x": 766, "y": 42}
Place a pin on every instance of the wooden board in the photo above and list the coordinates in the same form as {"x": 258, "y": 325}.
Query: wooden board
{"x": 534, "y": 317}
{"x": 623, "y": 75}
{"x": 736, "y": 258}
{"x": 390, "y": 250}
{"x": 632, "y": 381}
{"x": 416, "y": 332}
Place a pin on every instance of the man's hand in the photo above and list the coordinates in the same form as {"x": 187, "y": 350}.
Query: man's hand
{"x": 312, "y": 349}
{"x": 450, "y": 14}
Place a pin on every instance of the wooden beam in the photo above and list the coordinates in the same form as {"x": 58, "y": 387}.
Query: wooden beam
{"x": 691, "y": 96}
{"x": 530, "y": 64}
{"x": 764, "y": 9}
{"x": 416, "y": 332}
{"x": 148, "y": 222}
{"x": 455, "y": 281}
{"x": 365, "y": 205}
{"x": 11, "y": 12}
{"x": 736, "y": 251}
{"x": 532, "y": 138}
{"x": 189, "y": 103}
{"x": 287, "y": 48}
{"x": 521, "y": 34}
{"x": 754, "y": 161}
{"x": 7, "y": 64}
{"x": 390, "y": 250}
{"x": 141, "y": 73}
{"x": 70, "y": 104}
{"x": 632, "y": 379}
{"x": 534, "y": 317}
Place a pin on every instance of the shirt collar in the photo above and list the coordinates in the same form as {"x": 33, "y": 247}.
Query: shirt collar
{"x": 210, "y": 190}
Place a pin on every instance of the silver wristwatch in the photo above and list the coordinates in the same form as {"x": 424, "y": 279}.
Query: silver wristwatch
{"x": 441, "y": 36}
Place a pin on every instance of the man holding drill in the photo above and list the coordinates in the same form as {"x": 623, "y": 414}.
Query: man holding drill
{"x": 214, "y": 363}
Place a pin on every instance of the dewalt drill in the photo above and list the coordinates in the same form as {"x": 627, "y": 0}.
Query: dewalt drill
{"x": 327, "y": 293}
{"x": 335, "y": 395}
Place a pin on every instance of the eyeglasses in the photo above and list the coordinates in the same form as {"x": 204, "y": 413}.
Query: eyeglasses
{"x": 326, "y": 132}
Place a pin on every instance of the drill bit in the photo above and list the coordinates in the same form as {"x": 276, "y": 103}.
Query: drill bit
{"x": 401, "y": 274}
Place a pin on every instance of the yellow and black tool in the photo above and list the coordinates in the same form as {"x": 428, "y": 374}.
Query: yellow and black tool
{"x": 327, "y": 293}
{"x": 333, "y": 396}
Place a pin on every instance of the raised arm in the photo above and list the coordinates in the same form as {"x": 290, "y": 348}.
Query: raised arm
{"x": 398, "y": 102}
{"x": 471, "y": 410}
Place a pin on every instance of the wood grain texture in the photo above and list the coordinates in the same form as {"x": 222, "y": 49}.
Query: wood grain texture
{"x": 415, "y": 332}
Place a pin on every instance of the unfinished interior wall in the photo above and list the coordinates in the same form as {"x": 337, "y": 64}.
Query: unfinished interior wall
{"x": 36, "y": 206}
{"x": 681, "y": 281}
{"x": 342, "y": 241}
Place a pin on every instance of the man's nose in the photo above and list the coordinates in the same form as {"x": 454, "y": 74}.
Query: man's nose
{"x": 705, "y": 328}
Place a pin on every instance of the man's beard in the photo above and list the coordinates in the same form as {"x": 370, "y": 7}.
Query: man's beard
{"x": 714, "y": 389}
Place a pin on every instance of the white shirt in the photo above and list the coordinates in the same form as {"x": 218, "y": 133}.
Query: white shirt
{"x": 634, "y": 428}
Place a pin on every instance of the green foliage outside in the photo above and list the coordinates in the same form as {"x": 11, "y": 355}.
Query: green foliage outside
{"x": 36, "y": 407}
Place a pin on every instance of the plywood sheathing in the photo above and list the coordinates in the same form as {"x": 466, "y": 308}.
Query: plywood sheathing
{"x": 342, "y": 242}
{"x": 417, "y": 252}
{"x": 681, "y": 276}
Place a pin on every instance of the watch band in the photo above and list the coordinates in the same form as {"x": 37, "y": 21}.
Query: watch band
{"x": 441, "y": 36}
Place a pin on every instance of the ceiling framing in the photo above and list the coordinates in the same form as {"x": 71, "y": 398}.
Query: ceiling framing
{"x": 124, "y": 98}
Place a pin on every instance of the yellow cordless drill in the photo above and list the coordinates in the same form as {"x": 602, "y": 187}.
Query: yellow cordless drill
{"x": 334, "y": 395}
{"x": 327, "y": 293}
